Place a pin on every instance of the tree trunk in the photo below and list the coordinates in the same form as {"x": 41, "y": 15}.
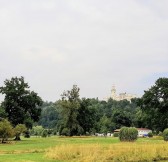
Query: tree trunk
{"x": 3, "y": 140}
{"x": 17, "y": 138}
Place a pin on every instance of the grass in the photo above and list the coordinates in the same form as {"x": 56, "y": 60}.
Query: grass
{"x": 81, "y": 149}
{"x": 113, "y": 152}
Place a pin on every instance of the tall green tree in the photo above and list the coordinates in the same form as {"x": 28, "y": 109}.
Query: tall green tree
{"x": 20, "y": 104}
{"x": 70, "y": 104}
{"x": 154, "y": 103}
{"x": 86, "y": 115}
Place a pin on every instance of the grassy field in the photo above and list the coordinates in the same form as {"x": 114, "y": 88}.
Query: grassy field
{"x": 83, "y": 149}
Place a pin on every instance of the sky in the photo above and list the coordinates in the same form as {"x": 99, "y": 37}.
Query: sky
{"x": 94, "y": 44}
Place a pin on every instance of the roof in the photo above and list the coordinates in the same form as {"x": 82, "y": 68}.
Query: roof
{"x": 143, "y": 129}
{"x": 117, "y": 130}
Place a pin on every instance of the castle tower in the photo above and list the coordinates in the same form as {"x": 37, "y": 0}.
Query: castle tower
{"x": 113, "y": 92}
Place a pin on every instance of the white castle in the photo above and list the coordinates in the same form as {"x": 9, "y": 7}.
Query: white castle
{"x": 121, "y": 96}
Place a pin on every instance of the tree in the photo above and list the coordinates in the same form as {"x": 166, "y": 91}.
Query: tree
{"x": 49, "y": 115}
{"x": 37, "y": 130}
{"x": 20, "y": 128}
{"x": 70, "y": 104}
{"x": 6, "y": 130}
{"x": 121, "y": 118}
{"x": 105, "y": 125}
{"x": 154, "y": 103}
{"x": 86, "y": 115}
{"x": 20, "y": 104}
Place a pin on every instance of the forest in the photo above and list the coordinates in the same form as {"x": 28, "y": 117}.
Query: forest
{"x": 24, "y": 111}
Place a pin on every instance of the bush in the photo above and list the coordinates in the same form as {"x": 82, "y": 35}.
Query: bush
{"x": 19, "y": 129}
{"x": 165, "y": 134}
{"x": 128, "y": 134}
{"x": 160, "y": 134}
{"x": 65, "y": 132}
{"x": 150, "y": 134}
{"x": 37, "y": 130}
{"x": 27, "y": 134}
{"x": 49, "y": 132}
{"x": 6, "y": 130}
{"x": 116, "y": 134}
{"x": 44, "y": 133}
{"x": 87, "y": 134}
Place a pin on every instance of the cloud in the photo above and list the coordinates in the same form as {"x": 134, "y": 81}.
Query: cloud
{"x": 91, "y": 43}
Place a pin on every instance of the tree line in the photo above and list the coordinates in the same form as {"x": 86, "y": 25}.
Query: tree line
{"x": 72, "y": 115}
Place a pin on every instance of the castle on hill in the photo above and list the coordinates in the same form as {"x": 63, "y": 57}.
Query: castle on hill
{"x": 121, "y": 96}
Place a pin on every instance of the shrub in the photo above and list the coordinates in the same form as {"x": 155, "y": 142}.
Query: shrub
{"x": 165, "y": 134}
{"x": 116, "y": 134}
{"x": 150, "y": 134}
{"x": 160, "y": 134}
{"x": 6, "y": 130}
{"x": 27, "y": 134}
{"x": 128, "y": 134}
{"x": 87, "y": 134}
{"x": 49, "y": 132}
{"x": 19, "y": 129}
{"x": 44, "y": 133}
{"x": 37, "y": 130}
{"x": 65, "y": 132}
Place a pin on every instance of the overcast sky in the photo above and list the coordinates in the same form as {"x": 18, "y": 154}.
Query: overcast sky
{"x": 91, "y": 43}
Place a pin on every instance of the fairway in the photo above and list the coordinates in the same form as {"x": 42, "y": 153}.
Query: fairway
{"x": 36, "y": 149}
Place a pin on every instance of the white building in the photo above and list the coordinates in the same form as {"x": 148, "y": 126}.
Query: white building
{"x": 143, "y": 132}
{"x": 121, "y": 96}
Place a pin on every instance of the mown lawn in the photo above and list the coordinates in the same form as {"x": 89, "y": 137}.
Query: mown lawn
{"x": 34, "y": 149}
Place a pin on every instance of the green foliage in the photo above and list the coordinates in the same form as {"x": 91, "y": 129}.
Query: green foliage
{"x": 154, "y": 104}
{"x": 2, "y": 113}
{"x": 122, "y": 118}
{"x": 49, "y": 132}
{"x": 44, "y": 133}
{"x": 49, "y": 115}
{"x": 20, "y": 128}
{"x": 104, "y": 124}
{"x": 6, "y": 130}
{"x": 37, "y": 130}
{"x": 69, "y": 110}
{"x": 150, "y": 134}
{"x": 116, "y": 134}
{"x": 160, "y": 133}
{"x": 20, "y": 104}
{"x": 87, "y": 114}
{"x": 27, "y": 134}
{"x": 65, "y": 132}
{"x": 165, "y": 134}
{"x": 128, "y": 134}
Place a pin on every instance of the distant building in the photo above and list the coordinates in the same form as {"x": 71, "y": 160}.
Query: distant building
{"x": 121, "y": 96}
{"x": 142, "y": 132}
